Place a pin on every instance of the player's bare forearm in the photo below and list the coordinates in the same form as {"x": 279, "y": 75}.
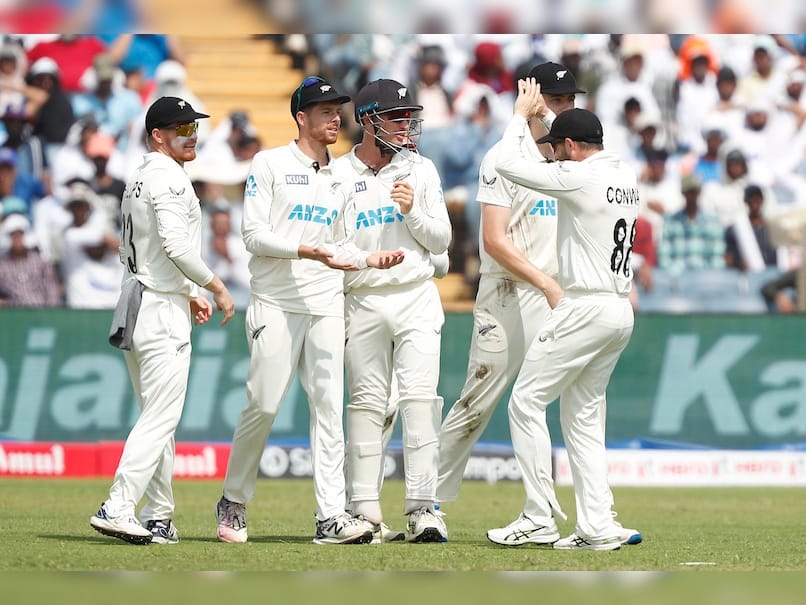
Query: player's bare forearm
{"x": 511, "y": 259}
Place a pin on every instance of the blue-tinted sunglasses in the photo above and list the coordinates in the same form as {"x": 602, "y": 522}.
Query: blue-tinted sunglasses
{"x": 309, "y": 81}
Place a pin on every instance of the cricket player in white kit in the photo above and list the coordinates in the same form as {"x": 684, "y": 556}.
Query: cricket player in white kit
{"x": 393, "y": 200}
{"x": 575, "y": 352}
{"x": 295, "y": 316}
{"x": 518, "y": 250}
{"x": 160, "y": 247}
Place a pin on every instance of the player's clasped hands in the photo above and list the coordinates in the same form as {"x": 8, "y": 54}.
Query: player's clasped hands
{"x": 403, "y": 196}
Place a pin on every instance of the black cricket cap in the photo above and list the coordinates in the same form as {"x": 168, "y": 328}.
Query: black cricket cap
{"x": 555, "y": 79}
{"x": 314, "y": 89}
{"x": 577, "y": 125}
{"x": 383, "y": 95}
{"x": 170, "y": 111}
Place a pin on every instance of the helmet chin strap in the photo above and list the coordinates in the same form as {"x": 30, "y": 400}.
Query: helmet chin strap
{"x": 385, "y": 147}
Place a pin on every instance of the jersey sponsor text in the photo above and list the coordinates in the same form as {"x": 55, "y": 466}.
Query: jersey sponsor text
{"x": 379, "y": 216}
{"x": 313, "y": 214}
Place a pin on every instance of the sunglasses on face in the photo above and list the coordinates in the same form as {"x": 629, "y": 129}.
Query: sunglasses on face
{"x": 185, "y": 130}
{"x": 307, "y": 82}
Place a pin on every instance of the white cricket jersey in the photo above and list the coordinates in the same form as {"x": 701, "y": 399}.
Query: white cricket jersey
{"x": 597, "y": 212}
{"x": 161, "y": 235}
{"x": 371, "y": 221}
{"x": 287, "y": 202}
{"x": 532, "y": 225}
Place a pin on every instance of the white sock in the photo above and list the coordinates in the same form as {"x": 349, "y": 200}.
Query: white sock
{"x": 370, "y": 509}
{"x": 413, "y": 505}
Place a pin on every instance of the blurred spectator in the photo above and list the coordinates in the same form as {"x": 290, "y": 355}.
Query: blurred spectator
{"x": 13, "y": 65}
{"x": 73, "y": 54}
{"x": 139, "y": 55}
{"x": 766, "y": 139}
{"x": 220, "y": 150}
{"x": 472, "y": 133}
{"x": 696, "y": 94}
{"x": 20, "y": 185}
{"x": 488, "y": 68}
{"x": 725, "y": 198}
{"x": 643, "y": 260}
{"x": 622, "y": 137}
{"x": 53, "y": 121}
{"x": 31, "y": 155}
{"x": 727, "y": 111}
{"x": 659, "y": 190}
{"x": 109, "y": 189}
{"x": 780, "y": 293}
{"x": 709, "y": 164}
{"x": 632, "y": 81}
{"x": 692, "y": 47}
{"x": 588, "y": 76}
{"x": 345, "y": 59}
{"x": 91, "y": 269}
{"x": 113, "y": 106}
{"x": 246, "y": 147}
{"x": 72, "y": 162}
{"x": 405, "y": 63}
{"x": 766, "y": 80}
{"x": 26, "y": 280}
{"x": 436, "y": 137}
{"x": 748, "y": 245}
{"x": 429, "y": 91}
{"x": 224, "y": 252}
{"x": 692, "y": 239}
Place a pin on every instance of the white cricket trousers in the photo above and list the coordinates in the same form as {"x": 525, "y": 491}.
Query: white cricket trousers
{"x": 572, "y": 357}
{"x": 159, "y": 364}
{"x": 393, "y": 329}
{"x": 506, "y": 317}
{"x": 280, "y": 345}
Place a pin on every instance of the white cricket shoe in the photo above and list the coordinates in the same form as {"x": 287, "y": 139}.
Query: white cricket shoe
{"x": 343, "y": 529}
{"x": 627, "y": 535}
{"x": 163, "y": 531}
{"x": 576, "y": 542}
{"x": 425, "y": 525}
{"x": 125, "y": 526}
{"x": 382, "y": 533}
{"x": 524, "y": 531}
{"x": 231, "y": 517}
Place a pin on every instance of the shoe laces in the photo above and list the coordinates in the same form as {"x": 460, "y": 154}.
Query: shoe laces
{"x": 234, "y": 514}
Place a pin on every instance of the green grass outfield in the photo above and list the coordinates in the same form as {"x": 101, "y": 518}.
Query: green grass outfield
{"x": 689, "y": 534}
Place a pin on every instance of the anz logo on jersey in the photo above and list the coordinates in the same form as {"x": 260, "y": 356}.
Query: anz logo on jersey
{"x": 313, "y": 214}
{"x": 544, "y": 208}
{"x": 379, "y": 216}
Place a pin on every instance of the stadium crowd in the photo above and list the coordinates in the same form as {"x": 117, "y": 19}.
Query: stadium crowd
{"x": 713, "y": 124}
